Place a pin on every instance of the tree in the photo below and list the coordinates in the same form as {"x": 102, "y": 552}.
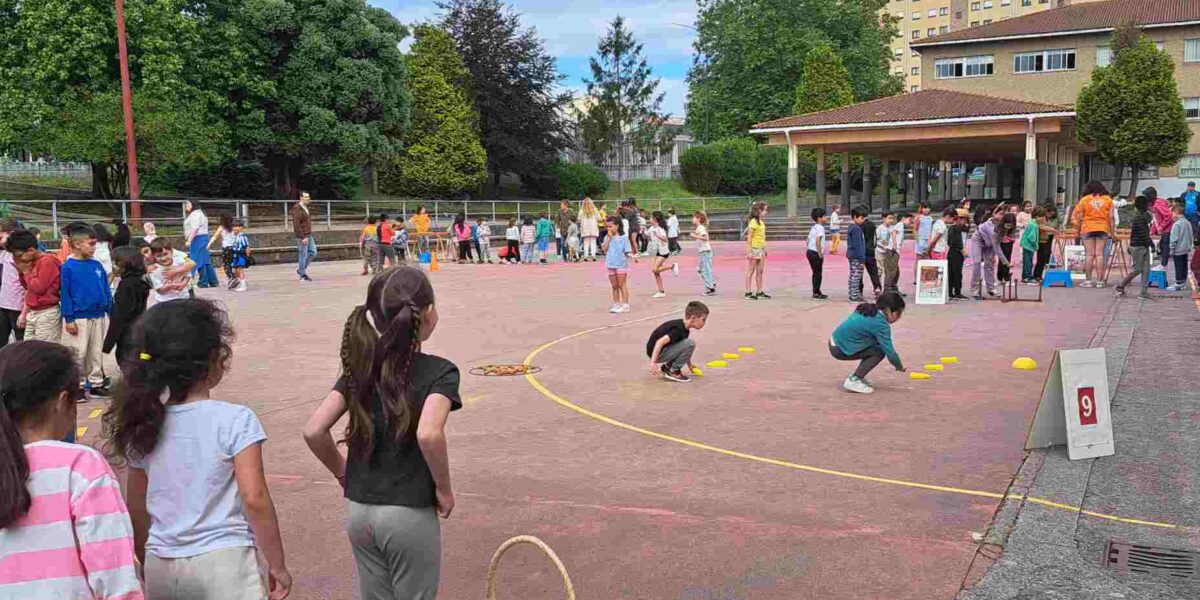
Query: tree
{"x": 513, "y": 81}
{"x": 824, "y": 82}
{"x": 442, "y": 155}
{"x": 746, "y": 66}
{"x": 625, "y": 107}
{"x": 1131, "y": 110}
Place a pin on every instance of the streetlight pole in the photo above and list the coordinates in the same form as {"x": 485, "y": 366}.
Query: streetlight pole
{"x": 127, "y": 108}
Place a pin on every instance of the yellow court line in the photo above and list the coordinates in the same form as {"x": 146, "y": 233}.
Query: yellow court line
{"x": 96, "y": 413}
{"x": 787, "y": 464}
{"x": 79, "y": 431}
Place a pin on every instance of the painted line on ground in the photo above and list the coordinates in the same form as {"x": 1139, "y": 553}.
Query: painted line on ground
{"x": 548, "y": 393}
{"x": 79, "y": 431}
{"x": 96, "y": 413}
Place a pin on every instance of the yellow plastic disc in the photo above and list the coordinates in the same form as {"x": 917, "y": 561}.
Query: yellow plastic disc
{"x": 920, "y": 376}
{"x": 717, "y": 364}
{"x": 1025, "y": 363}
{"x": 949, "y": 360}
{"x": 934, "y": 367}
{"x": 697, "y": 372}
{"x": 730, "y": 356}
{"x": 746, "y": 349}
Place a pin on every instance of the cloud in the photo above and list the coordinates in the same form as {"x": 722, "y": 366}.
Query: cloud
{"x": 572, "y": 29}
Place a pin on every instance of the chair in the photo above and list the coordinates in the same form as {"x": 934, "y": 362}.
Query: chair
{"x": 1158, "y": 279}
{"x": 1051, "y": 277}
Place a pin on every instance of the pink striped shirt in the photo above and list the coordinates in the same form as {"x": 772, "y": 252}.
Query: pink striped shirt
{"x": 76, "y": 541}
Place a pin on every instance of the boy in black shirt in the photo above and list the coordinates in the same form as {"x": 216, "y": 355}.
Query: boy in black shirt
{"x": 956, "y": 254}
{"x": 669, "y": 347}
{"x": 870, "y": 265}
{"x": 1139, "y": 248}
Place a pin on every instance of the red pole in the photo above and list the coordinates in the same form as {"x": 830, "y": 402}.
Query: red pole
{"x": 127, "y": 108}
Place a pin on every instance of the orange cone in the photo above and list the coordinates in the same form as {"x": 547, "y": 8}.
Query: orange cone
{"x": 433, "y": 267}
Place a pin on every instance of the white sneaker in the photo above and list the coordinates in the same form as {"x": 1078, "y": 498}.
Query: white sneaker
{"x": 856, "y": 385}
{"x": 624, "y": 308}
{"x": 675, "y": 269}
{"x": 616, "y": 308}
{"x": 659, "y": 295}
{"x": 241, "y": 286}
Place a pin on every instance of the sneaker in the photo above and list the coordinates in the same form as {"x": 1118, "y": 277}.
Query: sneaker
{"x": 1101, "y": 284}
{"x": 858, "y": 299}
{"x": 659, "y": 294}
{"x": 1085, "y": 284}
{"x": 1173, "y": 288}
{"x": 624, "y": 308}
{"x": 751, "y": 296}
{"x": 616, "y": 308}
{"x": 869, "y": 383}
{"x": 99, "y": 391}
{"x": 710, "y": 292}
{"x": 241, "y": 286}
{"x": 676, "y": 376}
{"x": 856, "y": 385}
{"x": 977, "y": 297}
{"x": 305, "y": 278}
{"x": 820, "y": 297}
{"x": 1158, "y": 268}
{"x": 675, "y": 269}
{"x": 764, "y": 296}
{"x": 1120, "y": 290}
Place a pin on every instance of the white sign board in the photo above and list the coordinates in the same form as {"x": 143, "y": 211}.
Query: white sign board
{"x": 1074, "y": 259}
{"x": 932, "y": 281}
{"x": 1075, "y": 406}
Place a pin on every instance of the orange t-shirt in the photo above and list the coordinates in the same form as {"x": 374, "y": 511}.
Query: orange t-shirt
{"x": 421, "y": 223}
{"x": 1094, "y": 213}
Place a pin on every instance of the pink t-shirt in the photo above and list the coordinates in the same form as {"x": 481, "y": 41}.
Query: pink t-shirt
{"x": 12, "y": 293}
{"x": 76, "y": 541}
{"x": 462, "y": 232}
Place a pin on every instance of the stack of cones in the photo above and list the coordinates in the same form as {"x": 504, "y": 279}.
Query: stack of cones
{"x": 433, "y": 266}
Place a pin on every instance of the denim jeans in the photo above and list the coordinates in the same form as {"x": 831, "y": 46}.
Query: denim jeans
{"x": 527, "y": 253}
{"x": 306, "y": 248}
{"x": 706, "y": 270}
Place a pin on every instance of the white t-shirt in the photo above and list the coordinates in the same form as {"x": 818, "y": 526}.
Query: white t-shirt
{"x": 513, "y": 233}
{"x": 898, "y": 233}
{"x": 658, "y": 242}
{"x": 672, "y": 226}
{"x": 227, "y": 238}
{"x": 157, "y": 280}
{"x": 816, "y": 239}
{"x": 835, "y": 221}
{"x": 104, "y": 256}
{"x": 192, "y": 495}
{"x": 942, "y": 245}
{"x": 705, "y": 245}
{"x": 195, "y": 224}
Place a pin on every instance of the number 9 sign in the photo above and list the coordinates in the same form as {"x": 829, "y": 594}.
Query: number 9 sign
{"x": 1087, "y": 406}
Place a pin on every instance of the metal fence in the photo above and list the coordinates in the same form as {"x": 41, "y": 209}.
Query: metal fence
{"x": 45, "y": 168}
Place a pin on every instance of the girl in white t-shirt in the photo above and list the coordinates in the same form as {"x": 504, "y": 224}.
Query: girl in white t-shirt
{"x": 659, "y": 248}
{"x": 512, "y": 239}
{"x": 704, "y": 249}
{"x": 225, "y": 233}
{"x": 835, "y": 231}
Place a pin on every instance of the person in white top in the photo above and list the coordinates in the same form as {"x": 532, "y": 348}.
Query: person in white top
{"x": 705, "y": 251}
{"x": 835, "y": 231}
{"x": 939, "y": 240}
{"x": 589, "y": 228}
{"x": 195, "y": 233}
{"x": 171, "y": 276}
{"x": 225, "y": 233}
{"x": 673, "y": 232}
{"x": 512, "y": 237}
{"x": 816, "y": 251}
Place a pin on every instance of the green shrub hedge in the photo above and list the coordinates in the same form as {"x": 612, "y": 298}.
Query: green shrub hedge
{"x": 738, "y": 167}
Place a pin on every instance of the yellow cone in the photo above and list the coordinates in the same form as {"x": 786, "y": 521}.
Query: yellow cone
{"x": 730, "y": 356}
{"x": 746, "y": 349}
{"x": 717, "y": 364}
{"x": 1025, "y": 363}
{"x": 949, "y": 360}
{"x": 920, "y": 376}
{"x": 934, "y": 367}
{"x": 697, "y": 372}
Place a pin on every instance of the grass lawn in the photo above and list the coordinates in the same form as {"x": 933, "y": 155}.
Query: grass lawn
{"x": 49, "y": 180}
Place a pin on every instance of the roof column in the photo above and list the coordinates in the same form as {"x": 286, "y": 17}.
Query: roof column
{"x": 885, "y": 180}
{"x": 822, "y": 196}
{"x": 1053, "y": 156}
{"x": 793, "y": 178}
{"x": 866, "y": 195}
{"x": 1031, "y": 166}
{"x": 845, "y": 182}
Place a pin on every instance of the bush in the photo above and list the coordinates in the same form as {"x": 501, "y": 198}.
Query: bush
{"x": 331, "y": 179}
{"x": 234, "y": 179}
{"x": 574, "y": 181}
{"x": 739, "y": 167}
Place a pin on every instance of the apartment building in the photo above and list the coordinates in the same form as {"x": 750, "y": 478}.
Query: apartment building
{"x": 919, "y": 20}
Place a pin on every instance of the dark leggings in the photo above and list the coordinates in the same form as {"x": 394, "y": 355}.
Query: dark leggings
{"x": 870, "y": 358}
{"x": 514, "y": 251}
{"x": 8, "y": 325}
{"x": 872, "y": 268}
{"x": 464, "y": 250}
{"x": 1043, "y": 258}
{"x": 1181, "y": 269}
{"x": 1164, "y": 248}
{"x": 1004, "y": 272}
{"x": 817, "y": 262}
{"x": 955, "y": 264}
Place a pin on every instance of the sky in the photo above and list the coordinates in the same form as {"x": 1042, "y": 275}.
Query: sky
{"x": 571, "y": 30}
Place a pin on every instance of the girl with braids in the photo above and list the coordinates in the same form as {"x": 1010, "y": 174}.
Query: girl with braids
{"x": 396, "y": 472}
{"x": 196, "y": 489}
{"x": 64, "y": 529}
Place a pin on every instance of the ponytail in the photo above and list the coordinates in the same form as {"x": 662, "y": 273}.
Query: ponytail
{"x": 14, "y": 469}
{"x": 890, "y": 301}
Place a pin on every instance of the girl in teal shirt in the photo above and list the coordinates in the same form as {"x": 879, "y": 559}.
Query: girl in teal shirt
{"x": 866, "y": 336}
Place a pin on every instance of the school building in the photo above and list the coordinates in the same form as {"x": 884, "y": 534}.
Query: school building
{"x": 999, "y": 98}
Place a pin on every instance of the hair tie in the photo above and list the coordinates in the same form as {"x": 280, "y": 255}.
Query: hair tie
{"x": 144, "y": 356}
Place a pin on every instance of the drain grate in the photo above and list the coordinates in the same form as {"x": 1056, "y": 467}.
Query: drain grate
{"x": 1148, "y": 560}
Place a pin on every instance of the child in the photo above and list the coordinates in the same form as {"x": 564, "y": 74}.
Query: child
{"x": 1139, "y": 246}
{"x": 660, "y": 249}
{"x": 835, "y": 231}
{"x": 617, "y": 252}
{"x": 1160, "y": 208}
{"x": 704, "y": 251}
{"x": 129, "y": 302}
{"x": 1029, "y": 245}
{"x": 939, "y": 238}
{"x": 368, "y": 246}
{"x": 1008, "y": 231}
{"x": 103, "y": 253}
{"x": 1181, "y": 245}
{"x": 196, "y": 489}
{"x": 956, "y": 250}
{"x": 171, "y": 273}
{"x": 63, "y": 522}
{"x": 528, "y": 237}
{"x": 12, "y": 293}
{"x": 673, "y": 232}
{"x": 883, "y": 243}
{"x": 545, "y": 231}
{"x": 1046, "y": 235}
{"x": 756, "y": 250}
{"x": 871, "y": 265}
{"x": 895, "y": 245}
{"x": 856, "y": 252}
{"x": 462, "y": 234}
{"x": 815, "y": 252}
{"x": 386, "y": 232}
{"x": 483, "y": 240}
{"x": 37, "y": 234}
{"x": 151, "y": 232}
{"x": 924, "y": 225}
{"x": 225, "y": 233}
{"x": 670, "y": 348}
{"x": 396, "y": 474}
{"x": 512, "y": 238}
{"x": 400, "y": 242}
{"x": 573, "y": 240}
{"x": 41, "y": 277}
{"x": 866, "y": 336}
{"x": 86, "y": 301}
{"x": 421, "y": 224}
{"x": 241, "y": 256}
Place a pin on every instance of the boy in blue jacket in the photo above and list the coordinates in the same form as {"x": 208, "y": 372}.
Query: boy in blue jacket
{"x": 856, "y": 251}
{"x": 545, "y": 231}
{"x": 866, "y": 336}
{"x": 86, "y": 302}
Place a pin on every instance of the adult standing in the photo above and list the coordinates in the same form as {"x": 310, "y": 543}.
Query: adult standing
{"x": 306, "y": 245}
{"x": 589, "y": 228}
{"x": 1093, "y": 219}
{"x": 562, "y": 221}
{"x": 195, "y": 232}
{"x": 1191, "y": 205}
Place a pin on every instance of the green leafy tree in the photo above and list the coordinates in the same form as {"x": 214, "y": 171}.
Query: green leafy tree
{"x": 1131, "y": 110}
{"x": 824, "y": 82}
{"x": 747, "y": 67}
{"x": 625, "y": 107}
{"x": 513, "y": 88}
{"x": 442, "y": 155}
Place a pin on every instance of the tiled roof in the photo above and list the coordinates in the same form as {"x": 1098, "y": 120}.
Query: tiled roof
{"x": 1077, "y": 17}
{"x": 924, "y": 105}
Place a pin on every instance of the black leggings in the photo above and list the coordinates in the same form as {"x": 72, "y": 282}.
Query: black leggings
{"x": 1043, "y": 258}
{"x": 872, "y": 268}
{"x": 955, "y": 264}
{"x": 817, "y": 262}
{"x": 8, "y": 325}
{"x": 870, "y": 358}
{"x": 464, "y": 250}
{"x": 514, "y": 251}
{"x": 1004, "y": 272}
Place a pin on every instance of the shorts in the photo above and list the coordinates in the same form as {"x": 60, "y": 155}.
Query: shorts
{"x": 935, "y": 255}
{"x": 621, "y": 271}
{"x": 1096, "y": 235}
{"x": 757, "y": 253}
{"x": 834, "y": 231}
{"x": 543, "y": 244}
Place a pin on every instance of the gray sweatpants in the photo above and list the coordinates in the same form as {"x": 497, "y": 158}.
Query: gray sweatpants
{"x": 398, "y": 550}
{"x": 677, "y": 356}
{"x": 1141, "y": 266}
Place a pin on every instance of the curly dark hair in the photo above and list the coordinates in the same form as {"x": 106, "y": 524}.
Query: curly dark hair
{"x": 176, "y": 347}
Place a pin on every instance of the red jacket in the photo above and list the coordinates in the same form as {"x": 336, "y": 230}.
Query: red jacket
{"x": 41, "y": 283}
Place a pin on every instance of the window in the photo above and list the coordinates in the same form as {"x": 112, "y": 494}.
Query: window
{"x": 915, "y": 71}
{"x": 974, "y": 23}
{"x": 988, "y": 4}
{"x": 897, "y": 55}
{"x": 914, "y": 88}
{"x": 1191, "y": 108}
{"x": 1190, "y": 166}
{"x": 958, "y": 14}
{"x": 1049, "y": 60}
{"x": 916, "y": 34}
{"x": 916, "y": 16}
{"x": 931, "y": 31}
{"x": 1043, "y": 1}
{"x": 1191, "y": 50}
{"x": 1005, "y": 2}
{"x": 932, "y": 13}
{"x": 944, "y": 11}
{"x": 944, "y": 29}
{"x": 987, "y": 21}
{"x": 1026, "y": 2}
{"x": 974, "y": 6}
{"x": 1104, "y": 56}
{"x": 970, "y": 66}
{"x": 899, "y": 73}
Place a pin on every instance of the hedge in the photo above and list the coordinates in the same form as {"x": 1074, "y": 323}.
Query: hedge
{"x": 739, "y": 167}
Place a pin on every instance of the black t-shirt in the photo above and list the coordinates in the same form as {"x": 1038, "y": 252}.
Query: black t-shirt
{"x": 395, "y": 473}
{"x": 869, "y": 237}
{"x": 676, "y": 329}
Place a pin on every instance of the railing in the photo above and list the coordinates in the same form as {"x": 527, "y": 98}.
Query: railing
{"x": 45, "y": 168}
